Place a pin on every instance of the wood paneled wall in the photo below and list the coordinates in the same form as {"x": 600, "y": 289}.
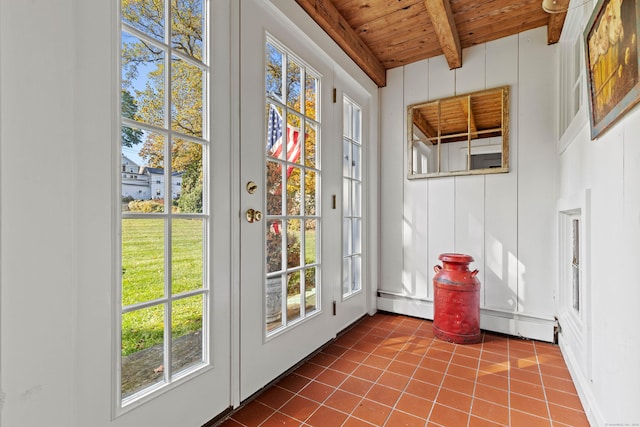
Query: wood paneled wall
{"x": 505, "y": 221}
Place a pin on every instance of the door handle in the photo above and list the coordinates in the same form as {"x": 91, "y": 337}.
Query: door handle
{"x": 253, "y": 215}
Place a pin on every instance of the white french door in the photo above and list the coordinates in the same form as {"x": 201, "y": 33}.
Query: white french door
{"x": 285, "y": 307}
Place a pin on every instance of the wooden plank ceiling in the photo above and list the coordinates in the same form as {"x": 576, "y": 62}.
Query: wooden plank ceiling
{"x": 383, "y": 34}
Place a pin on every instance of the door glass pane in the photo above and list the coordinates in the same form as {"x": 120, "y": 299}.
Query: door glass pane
{"x": 187, "y": 244}
{"x": 311, "y": 97}
{"x": 293, "y": 296}
{"x": 186, "y": 97}
{"x": 356, "y": 283}
{"x": 142, "y": 349}
{"x": 274, "y": 245}
{"x": 145, "y": 16}
{"x": 274, "y": 131}
{"x": 292, "y": 168}
{"x": 310, "y": 186}
{"x": 294, "y": 80}
{"x": 186, "y": 177}
{"x": 142, "y": 171}
{"x": 311, "y": 302}
{"x": 186, "y": 333}
{"x": 273, "y": 300}
{"x": 310, "y": 144}
{"x": 356, "y": 240}
{"x": 142, "y": 260}
{"x": 293, "y": 243}
{"x": 310, "y": 242}
{"x": 143, "y": 81}
{"x": 346, "y": 275}
{"x": 274, "y": 188}
{"x": 346, "y": 237}
{"x": 187, "y": 29}
{"x": 293, "y": 191}
{"x": 346, "y": 158}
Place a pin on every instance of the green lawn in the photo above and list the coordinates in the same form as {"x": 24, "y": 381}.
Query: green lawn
{"x": 143, "y": 279}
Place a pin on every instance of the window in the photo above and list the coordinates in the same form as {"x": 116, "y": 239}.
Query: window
{"x": 292, "y": 124}
{"x": 351, "y": 198}
{"x": 571, "y": 71}
{"x": 575, "y": 263}
{"x": 164, "y": 119}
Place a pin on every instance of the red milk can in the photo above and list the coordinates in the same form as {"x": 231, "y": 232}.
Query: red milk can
{"x": 456, "y": 308}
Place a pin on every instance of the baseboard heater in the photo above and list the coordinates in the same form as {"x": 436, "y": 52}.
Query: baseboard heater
{"x": 506, "y": 322}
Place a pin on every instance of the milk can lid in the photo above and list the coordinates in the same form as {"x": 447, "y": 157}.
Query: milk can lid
{"x": 459, "y": 258}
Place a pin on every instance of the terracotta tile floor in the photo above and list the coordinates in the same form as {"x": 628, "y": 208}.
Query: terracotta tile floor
{"x": 389, "y": 370}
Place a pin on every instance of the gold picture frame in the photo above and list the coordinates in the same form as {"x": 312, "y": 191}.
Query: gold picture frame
{"x": 612, "y": 55}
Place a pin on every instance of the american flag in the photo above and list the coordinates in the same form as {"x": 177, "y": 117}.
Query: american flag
{"x": 274, "y": 138}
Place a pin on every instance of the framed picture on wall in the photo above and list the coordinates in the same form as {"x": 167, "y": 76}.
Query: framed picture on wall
{"x": 613, "y": 74}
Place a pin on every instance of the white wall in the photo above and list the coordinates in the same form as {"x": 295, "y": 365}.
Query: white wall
{"x": 601, "y": 177}
{"x": 37, "y": 213}
{"x": 505, "y": 221}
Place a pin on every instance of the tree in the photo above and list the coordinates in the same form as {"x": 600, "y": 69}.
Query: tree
{"x": 144, "y": 64}
{"x": 130, "y": 136}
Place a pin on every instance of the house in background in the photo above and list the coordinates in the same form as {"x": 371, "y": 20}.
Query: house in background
{"x": 145, "y": 183}
{"x": 60, "y": 306}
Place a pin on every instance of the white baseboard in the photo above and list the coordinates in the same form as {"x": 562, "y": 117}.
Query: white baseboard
{"x": 582, "y": 384}
{"x": 510, "y": 323}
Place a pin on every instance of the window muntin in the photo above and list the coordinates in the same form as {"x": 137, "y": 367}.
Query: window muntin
{"x": 351, "y": 198}
{"x": 292, "y": 188}
{"x": 164, "y": 215}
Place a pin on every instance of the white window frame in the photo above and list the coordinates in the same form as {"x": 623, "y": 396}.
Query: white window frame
{"x": 352, "y": 255}
{"x": 572, "y": 78}
{"x": 305, "y": 69}
{"x": 170, "y": 379}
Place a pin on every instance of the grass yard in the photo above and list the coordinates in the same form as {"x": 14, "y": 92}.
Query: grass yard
{"x": 143, "y": 279}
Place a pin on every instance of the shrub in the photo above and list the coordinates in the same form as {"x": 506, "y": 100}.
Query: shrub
{"x": 146, "y": 206}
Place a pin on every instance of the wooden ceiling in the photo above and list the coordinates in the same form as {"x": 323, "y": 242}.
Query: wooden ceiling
{"x": 383, "y": 34}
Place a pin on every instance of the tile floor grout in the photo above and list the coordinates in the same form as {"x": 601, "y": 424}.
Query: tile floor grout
{"x": 399, "y": 340}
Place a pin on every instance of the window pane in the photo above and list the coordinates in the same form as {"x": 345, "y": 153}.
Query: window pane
{"x": 293, "y": 191}
{"x": 356, "y": 199}
{"x": 274, "y": 131}
{"x": 311, "y": 294}
{"x": 141, "y": 169}
{"x": 142, "y": 260}
{"x": 355, "y": 161}
{"x": 187, "y": 246}
{"x": 356, "y": 240}
{"x": 187, "y": 27}
{"x": 346, "y": 276}
{"x": 310, "y": 242}
{"x": 274, "y": 72}
{"x": 186, "y": 97}
{"x": 293, "y": 86}
{"x": 274, "y": 302}
{"x": 356, "y": 125}
{"x": 274, "y": 188}
{"x": 274, "y": 245}
{"x": 356, "y": 283}
{"x": 145, "y": 16}
{"x": 187, "y": 176}
{"x": 310, "y": 145}
{"x": 293, "y": 243}
{"x": 311, "y": 97}
{"x": 142, "y": 75}
{"x": 186, "y": 333}
{"x": 142, "y": 349}
{"x": 293, "y": 296}
{"x": 346, "y": 158}
{"x": 346, "y": 197}
{"x": 310, "y": 186}
{"x": 346, "y": 237}
{"x": 346, "y": 119}
{"x": 293, "y": 138}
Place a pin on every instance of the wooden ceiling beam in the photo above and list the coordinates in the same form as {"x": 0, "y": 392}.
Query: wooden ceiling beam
{"x": 334, "y": 24}
{"x": 557, "y": 12}
{"x": 445, "y": 28}
{"x": 554, "y": 27}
